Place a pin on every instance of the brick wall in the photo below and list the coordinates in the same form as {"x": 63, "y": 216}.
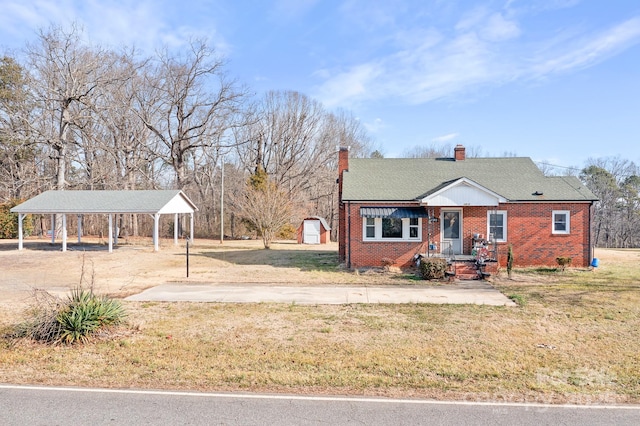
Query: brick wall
{"x": 371, "y": 253}
{"x": 534, "y": 244}
{"x": 529, "y": 231}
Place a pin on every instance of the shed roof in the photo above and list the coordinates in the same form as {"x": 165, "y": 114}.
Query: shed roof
{"x": 322, "y": 220}
{"x": 107, "y": 201}
{"x": 410, "y": 179}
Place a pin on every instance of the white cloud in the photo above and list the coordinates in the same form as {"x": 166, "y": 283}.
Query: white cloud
{"x": 369, "y": 16}
{"x": 20, "y": 21}
{"x": 498, "y": 28}
{"x": 586, "y": 52}
{"x": 445, "y": 138}
{"x": 146, "y": 24}
{"x": 375, "y": 126}
{"x": 483, "y": 49}
{"x": 472, "y": 19}
{"x": 288, "y": 10}
{"x": 537, "y": 6}
{"x": 354, "y": 83}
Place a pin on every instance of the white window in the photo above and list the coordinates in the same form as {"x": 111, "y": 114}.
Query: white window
{"x": 391, "y": 229}
{"x": 561, "y": 222}
{"x": 414, "y": 227}
{"x": 370, "y": 228}
{"x": 497, "y": 225}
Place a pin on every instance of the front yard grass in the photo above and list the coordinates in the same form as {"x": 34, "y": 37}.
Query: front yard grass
{"x": 575, "y": 338}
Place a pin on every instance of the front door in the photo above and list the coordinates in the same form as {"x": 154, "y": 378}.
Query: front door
{"x": 451, "y": 231}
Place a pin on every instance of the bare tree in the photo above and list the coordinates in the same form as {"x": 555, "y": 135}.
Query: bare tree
{"x": 341, "y": 129}
{"x": 294, "y": 140}
{"x": 189, "y": 104}
{"x": 207, "y": 179}
{"x": 613, "y": 181}
{"x": 630, "y": 212}
{"x": 442, "y": 151}
{"x": 429, "y": 151}
{"x": 95, "y": 119}
{"x": 266, "y": 207}
{"x": 285, "y": 139}
{"x": 18, "y": 156}
{"x": 127, "y": 142}
{"x": 68, "y": 77}
{"x": 347, "y": 130}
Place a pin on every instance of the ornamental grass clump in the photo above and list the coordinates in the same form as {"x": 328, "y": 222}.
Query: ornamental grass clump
{"x": 72, "y": 320}
{"x": 85, "y": 314}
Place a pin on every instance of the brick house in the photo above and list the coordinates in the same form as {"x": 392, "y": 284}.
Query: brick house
{"x": 392, "y": 210}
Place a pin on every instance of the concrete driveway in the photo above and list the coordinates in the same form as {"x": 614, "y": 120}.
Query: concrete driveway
{"x": 463, "y": 292}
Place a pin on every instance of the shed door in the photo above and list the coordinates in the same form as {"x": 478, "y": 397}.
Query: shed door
{"x": 311, "y": 232}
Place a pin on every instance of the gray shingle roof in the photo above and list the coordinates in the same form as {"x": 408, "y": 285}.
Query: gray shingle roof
{"x": 410, "y": 179}
{"x": 145, "y": 201}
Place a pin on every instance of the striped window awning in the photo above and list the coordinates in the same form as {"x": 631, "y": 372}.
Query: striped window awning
{"x": 395, "y": 212}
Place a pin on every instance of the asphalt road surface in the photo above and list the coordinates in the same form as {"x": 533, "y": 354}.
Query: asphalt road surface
{"x": 31, "y": 405}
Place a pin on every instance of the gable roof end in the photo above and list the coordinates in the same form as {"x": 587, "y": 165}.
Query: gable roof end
{"x": 460, "y": 192}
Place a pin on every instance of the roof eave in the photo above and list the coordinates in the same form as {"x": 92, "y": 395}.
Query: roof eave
{"x": 558, "y": 200}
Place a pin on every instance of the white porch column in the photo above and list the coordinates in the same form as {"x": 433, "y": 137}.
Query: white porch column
{"x": 156, "y": 233}
{"x": 116, "y": 232}
{"x": 20, "y": 218}
{"x": 64, "y": 232}
{"x": 110, "y": 233}
{"x": 191, "y": 227}
{"x": 79, "y": 228}
{"x": 153, "y": 231}
{"x": 53, "y": 228}
{"x": 175, "y": 228}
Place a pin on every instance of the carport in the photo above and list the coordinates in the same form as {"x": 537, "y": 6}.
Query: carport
{"x": 151, "y": 202}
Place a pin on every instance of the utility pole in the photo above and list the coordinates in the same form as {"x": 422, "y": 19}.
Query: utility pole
{"x": 222, "y": 199}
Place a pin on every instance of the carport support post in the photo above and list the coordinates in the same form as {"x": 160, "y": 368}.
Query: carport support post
{"x": 156, "y": 225}
{"x": 64, "y": 232}
{"x": 79, "y": 228}
{"x": 116, "y": 231}
{"x": 191, "y": 228}
{"x": 110, "y": 233}
{"x": 175, "y": 229}
{"x": 53, "y": 228}
{"x": 20, "y": 218}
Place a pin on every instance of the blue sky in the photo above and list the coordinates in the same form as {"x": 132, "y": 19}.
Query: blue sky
{"x": 555, "y": 80}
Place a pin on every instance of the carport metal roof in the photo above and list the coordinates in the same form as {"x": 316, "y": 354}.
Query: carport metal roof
{"x": 86, "y": 202}
{"x": 153, "y": 202}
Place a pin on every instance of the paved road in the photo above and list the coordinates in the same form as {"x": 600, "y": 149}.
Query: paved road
{"x": 473, "y": 292}
{"x": 63, "y": 406}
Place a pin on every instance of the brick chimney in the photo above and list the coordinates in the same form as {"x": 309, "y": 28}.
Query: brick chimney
{"x": 459, "y": 153}
{"x": 343, "y": 164}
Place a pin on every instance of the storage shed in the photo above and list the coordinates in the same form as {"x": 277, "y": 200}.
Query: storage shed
{"x": 152, "y": 202}
{"x": 313, "y": 230}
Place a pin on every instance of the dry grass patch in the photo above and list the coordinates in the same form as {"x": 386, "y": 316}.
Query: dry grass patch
{"x": 576, "y": 339}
